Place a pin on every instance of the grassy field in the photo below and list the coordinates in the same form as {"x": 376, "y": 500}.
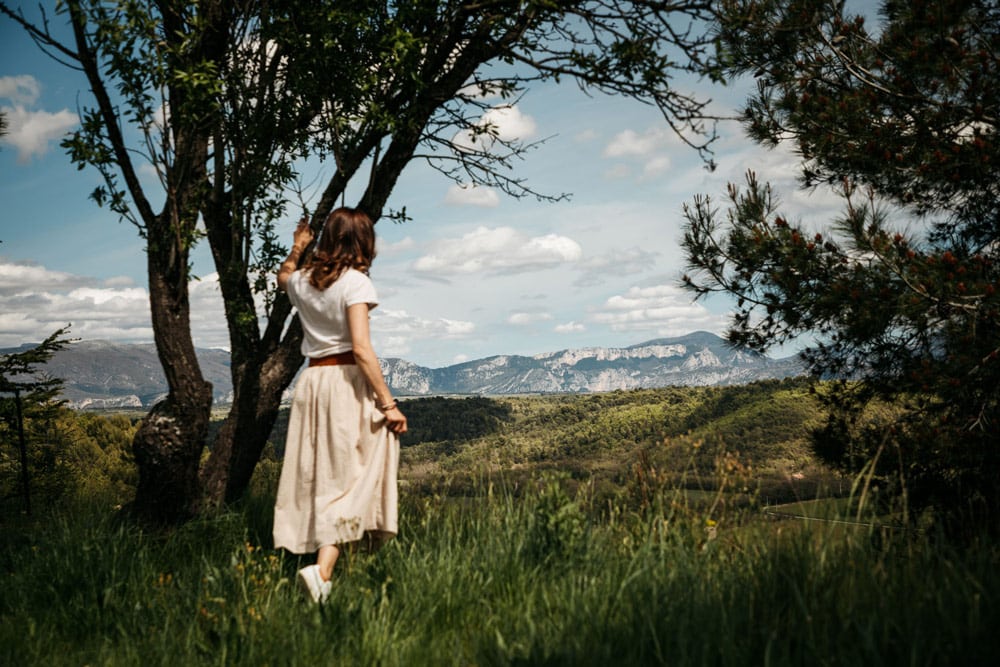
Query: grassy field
{"x": 542, "y": 539}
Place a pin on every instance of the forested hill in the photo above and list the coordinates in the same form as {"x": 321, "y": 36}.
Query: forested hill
{"x": 101, "y": 374}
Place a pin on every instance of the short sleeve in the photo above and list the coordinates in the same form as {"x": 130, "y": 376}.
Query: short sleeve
{"x": 293, "y": 286}
{"x": 359, "y": 288}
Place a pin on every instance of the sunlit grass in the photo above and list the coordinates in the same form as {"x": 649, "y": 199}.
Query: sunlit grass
{"x": 532, "y": 574}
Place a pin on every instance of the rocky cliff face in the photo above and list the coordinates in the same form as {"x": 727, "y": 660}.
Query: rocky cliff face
{"x": 696, "y": 359}
{"x": 99, "y": 374}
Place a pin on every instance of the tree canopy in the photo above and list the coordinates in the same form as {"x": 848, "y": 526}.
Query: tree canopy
{"x": 901, "y": 290}
{"x": 225, "y": 101}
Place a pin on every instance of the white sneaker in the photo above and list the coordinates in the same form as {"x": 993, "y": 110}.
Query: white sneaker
{"x": 313, "y": 585}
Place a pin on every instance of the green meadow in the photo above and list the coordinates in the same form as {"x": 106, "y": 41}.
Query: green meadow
{"x": 671, "y": 526}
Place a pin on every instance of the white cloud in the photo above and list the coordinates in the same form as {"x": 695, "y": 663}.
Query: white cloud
{"x": 618, "y": 262}
{"x": 119, "y": 281}
{"x": 386, "y": 248}
{"x": 585, "y": 136}
{"x": 35, "y": 301}
{"x": 31, "y": 132}
{"x": 95, "y": 313}
{"x": 21, "y": 90}
{"x": 630, "y": 143}
{"x": 666, "y": 310}
{"x": 510, "y": 124}
{"x": 569, "y": 327}
{"x": 22, "y": 277}
{"x": 656, "y": 166}
{"x": 629, "y": 260}
{"x": 647, "y": 148}
{"x": 504, "y": 123}
{"x": 502, "y": 250}
{"x": 208, "y": 323}
{"x": 521, "y": 319}
{"x": 472, "y": 195}
{"x": 394, "y": 331}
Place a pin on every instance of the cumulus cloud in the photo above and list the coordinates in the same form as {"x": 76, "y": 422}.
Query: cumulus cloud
{"x": 620, "y": 262}
{"x": 656, "y": 166}
{"x": 504, "y": 123}
{"x": 21, "y": 277}
{"x": 521, "y": 319}
{"x": 666, "y": 310}
{"x": 628, "y": 260}
{"x": 43, "y": 301}
{"x": 393, "y": 331}
{"x": 385, "y": 248}
{"x": 569, "y": 327}
{"x": 35, "y": 301}
{"x": 648, "y": 149}
{"x": 22, "y": 90}
{"x": 31, "y": 132}
{"x": 119, "y": 281}
{"x": 472, "y": 195}
{"x": 500, "y": 250}
{"x": 208, "y": 323}
{"x": 630, "y": 143}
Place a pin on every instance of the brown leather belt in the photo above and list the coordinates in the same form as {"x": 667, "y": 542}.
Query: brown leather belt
{"x": 333, "y": 360}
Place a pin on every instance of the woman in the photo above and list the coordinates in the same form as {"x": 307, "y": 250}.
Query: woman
{"x": 338, "y": 478}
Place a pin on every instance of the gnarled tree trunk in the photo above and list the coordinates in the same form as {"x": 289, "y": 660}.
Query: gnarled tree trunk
{"x": 169, "y": 442}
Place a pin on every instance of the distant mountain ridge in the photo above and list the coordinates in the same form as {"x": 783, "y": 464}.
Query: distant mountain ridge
{"x": 697, "y": 359}
{"x": 102, "y": 374}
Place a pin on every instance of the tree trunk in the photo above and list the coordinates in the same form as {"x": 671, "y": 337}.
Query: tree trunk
{"x": 169, "y": 442}
{"x": 244, "y": 433}
{"x": 261, "y": 365}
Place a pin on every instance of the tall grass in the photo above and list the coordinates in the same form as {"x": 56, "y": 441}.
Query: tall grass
{"x": 509, "y": 577}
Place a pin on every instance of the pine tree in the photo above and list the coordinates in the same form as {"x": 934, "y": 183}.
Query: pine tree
{"x": 902, "y": 117}
{"x": 27, "y": 392}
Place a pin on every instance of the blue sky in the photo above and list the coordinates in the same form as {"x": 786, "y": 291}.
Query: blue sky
{"x": 475, "y": 273}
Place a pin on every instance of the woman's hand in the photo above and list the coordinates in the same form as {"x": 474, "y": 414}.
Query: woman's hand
{"x": 303, "y": 234}
{"x": 395, "y": 420}
{"x": 303, "y": 237}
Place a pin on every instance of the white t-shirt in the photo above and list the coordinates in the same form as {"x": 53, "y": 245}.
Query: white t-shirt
{"x": 324, "y": 313}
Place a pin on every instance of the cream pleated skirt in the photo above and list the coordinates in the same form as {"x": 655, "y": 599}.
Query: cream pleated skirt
{"x": 338, "y": 478}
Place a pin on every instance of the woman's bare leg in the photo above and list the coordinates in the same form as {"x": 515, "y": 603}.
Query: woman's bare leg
{"x": 326, "y": 559}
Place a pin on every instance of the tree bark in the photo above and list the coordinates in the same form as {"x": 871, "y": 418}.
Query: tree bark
{"x": 169, "y": 442}
{"x": 244, "y": 433}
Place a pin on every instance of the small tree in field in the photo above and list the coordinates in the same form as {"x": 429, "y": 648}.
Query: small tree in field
{"x": 903, "y": 118}
{"x": 224, "y": 99}
{"x": 26, "y": 394}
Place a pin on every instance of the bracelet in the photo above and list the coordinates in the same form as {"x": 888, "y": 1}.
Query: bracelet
{"x": 387, "y": 406}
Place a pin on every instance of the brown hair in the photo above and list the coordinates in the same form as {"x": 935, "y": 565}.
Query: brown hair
{"x": 347, "y": 242}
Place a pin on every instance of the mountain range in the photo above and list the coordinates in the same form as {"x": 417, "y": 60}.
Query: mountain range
{"x": 102, "y": 374}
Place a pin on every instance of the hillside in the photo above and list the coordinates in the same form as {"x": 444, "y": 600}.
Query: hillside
{"x": 674, "y": 435}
